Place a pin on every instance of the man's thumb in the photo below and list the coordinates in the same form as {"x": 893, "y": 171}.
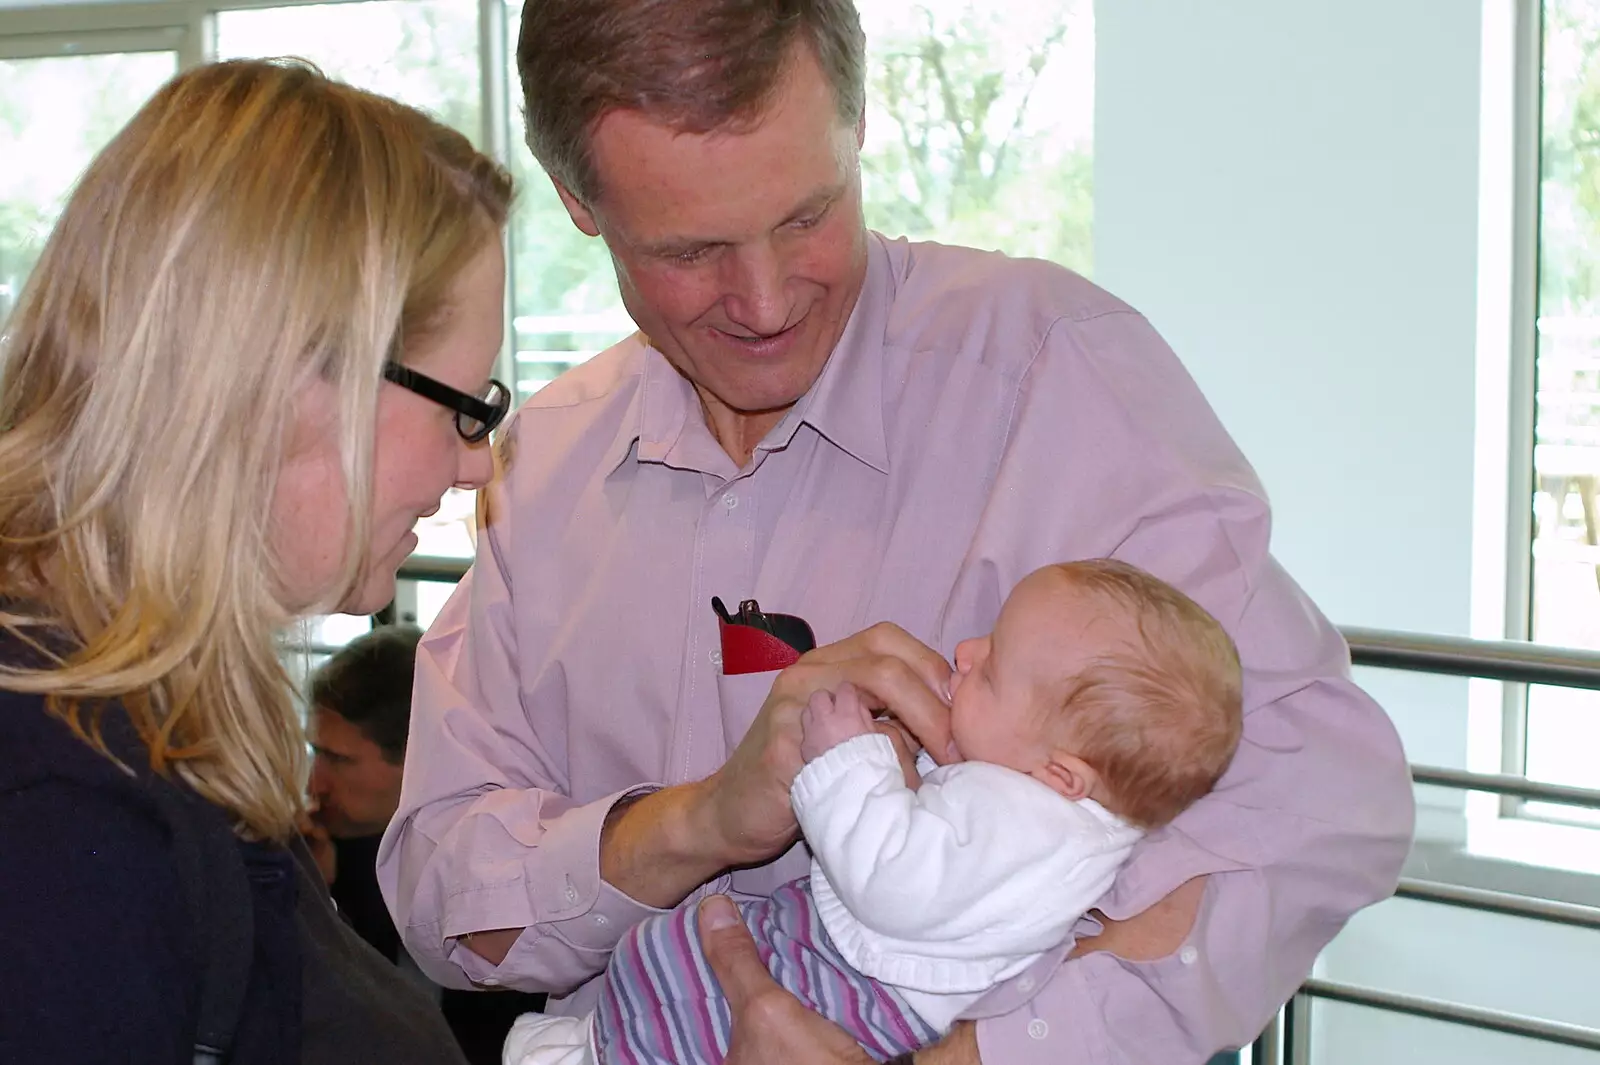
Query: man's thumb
{"x": 718, "y": 912}
{"x": 730, "y": 951}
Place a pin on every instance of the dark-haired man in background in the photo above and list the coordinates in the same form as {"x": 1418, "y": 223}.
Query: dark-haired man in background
{"x": 360, "y": 711}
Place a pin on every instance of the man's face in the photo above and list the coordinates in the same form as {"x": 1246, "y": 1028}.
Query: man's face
{"x": 740, "y": 254}
{"x": 356, "y": 789}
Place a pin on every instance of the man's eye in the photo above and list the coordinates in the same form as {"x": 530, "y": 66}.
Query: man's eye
{"x": 810, "y": 221}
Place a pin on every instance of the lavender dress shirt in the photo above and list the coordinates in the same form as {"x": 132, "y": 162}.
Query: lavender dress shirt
{"x": 980, "y": 417}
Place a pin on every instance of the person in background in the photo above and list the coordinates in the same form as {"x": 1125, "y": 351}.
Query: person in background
{"x": 255, "y": 350}
{"x": 359, "y": 704}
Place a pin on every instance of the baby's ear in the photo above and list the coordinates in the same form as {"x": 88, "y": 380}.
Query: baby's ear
{"x": 1067, "y": 775}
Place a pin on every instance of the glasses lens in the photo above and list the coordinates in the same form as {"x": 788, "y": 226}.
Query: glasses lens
{"x": 497, "y": 396}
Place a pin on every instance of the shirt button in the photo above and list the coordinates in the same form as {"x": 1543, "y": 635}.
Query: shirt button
{"x": 716, "y": 658}
{"x": 490, "y": 981}
{"x": 730, "y": 501}
{"x": 1037, "y": 1029}
{"x": 1187, "y": 955}
{"x": 601, "y": 919}
{"x": 572, "y": 894}
{"x": 1025, "y": 984}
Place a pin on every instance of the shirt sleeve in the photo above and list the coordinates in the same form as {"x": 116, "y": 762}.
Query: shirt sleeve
{"x": 485, "y": 836}
{"x": 97, "y": 955}
{"x": 1313, "y": 819}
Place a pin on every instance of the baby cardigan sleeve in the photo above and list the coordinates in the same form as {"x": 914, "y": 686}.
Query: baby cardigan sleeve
{"x": 981, "y": 861}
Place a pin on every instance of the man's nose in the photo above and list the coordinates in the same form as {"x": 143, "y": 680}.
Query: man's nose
{"x": 754, "y": 287}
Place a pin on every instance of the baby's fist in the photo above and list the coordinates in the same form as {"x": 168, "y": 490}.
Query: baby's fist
{"x": 830, "y": 719}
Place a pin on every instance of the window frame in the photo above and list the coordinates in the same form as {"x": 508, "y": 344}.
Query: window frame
{"x": 1511, "y": 223}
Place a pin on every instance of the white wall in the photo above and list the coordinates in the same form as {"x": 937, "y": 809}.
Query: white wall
{"x": 1289, "y": 189}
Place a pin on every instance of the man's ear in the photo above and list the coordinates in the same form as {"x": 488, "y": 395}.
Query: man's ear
{"x": 580, "y": 214}
{"x": 1068, "y": 776}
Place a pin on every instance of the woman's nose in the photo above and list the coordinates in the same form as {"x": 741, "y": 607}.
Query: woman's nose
{"x": 475, "y": 467}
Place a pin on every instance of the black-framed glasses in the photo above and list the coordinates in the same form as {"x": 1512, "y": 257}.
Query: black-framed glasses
{"x": 476, "y": 416}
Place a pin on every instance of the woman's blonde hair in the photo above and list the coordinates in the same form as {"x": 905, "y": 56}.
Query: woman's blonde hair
{"x": 254, "y": 228}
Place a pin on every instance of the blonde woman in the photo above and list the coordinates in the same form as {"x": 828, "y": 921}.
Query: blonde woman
{"x": 255, "y": 352}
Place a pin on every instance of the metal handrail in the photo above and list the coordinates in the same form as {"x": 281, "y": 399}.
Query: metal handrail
{"x": 433, "y": 568}
{"x": 1509, "y": 905}
{"x": 1573, "y": 1035}
{"x": 1516, "y": 661}
{"x": 1505, "y": 784}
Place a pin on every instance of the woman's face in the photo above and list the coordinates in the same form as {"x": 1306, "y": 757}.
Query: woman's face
{"x": 418, "y": 453}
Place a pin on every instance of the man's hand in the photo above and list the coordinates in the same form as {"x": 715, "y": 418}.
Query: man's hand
{"x": 830, "y": 719}
{"x": 320, "y": 844}
{"x": 905, "y": 745}
{"x": 893, "y": 671}
{"x": 769, "y": 1024}
{"x": 745, "y": 811}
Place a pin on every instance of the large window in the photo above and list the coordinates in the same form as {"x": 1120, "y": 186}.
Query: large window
{"x": 1562, "y": 726}
{"x": 979, "y": 132}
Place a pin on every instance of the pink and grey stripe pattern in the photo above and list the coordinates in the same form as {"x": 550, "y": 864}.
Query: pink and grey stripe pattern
{"x": 661, "y": 1004}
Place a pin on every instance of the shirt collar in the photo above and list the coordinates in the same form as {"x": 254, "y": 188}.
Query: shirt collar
{"x": 845, "y": 405}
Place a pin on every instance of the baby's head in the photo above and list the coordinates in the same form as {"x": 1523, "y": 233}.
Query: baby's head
{"x": 1102, "y": 682}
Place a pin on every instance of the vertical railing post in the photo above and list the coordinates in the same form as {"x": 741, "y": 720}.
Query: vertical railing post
{"x": 1297, "y": 1030}
{"x": 1268, "y": 1047}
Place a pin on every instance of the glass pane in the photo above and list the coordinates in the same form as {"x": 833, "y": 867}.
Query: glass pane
{"x": 970, "y": 139}
{"x": 980, "y": 124}
{"x": 421, "y": 52}
{"x": 1564, "y": 725}
{"x": 431, "y": 598}
{"x": 55, "y": 114}
{"x": 565, "y": 307}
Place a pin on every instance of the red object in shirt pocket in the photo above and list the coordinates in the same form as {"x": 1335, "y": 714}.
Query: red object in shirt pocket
{"x": 750, "y": 644}
{"x": 748, "y": 650}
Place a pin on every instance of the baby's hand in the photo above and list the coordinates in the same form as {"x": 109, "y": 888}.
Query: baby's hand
{"x": 829, "y": 720}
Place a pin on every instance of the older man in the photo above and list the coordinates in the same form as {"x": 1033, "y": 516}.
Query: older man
{"x": 853, "y": 430}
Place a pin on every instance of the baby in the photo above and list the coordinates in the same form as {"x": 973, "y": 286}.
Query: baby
{"x": 1104, "y": 703}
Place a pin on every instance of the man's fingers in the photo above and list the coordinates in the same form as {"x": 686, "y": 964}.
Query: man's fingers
{"x": 895, "y": 687}
{"x": 848, "y": 700}
{"x": 898, "y": 738}
{"x": 887, "y": 639}
{"x": 731, "y": 952}
{"x": 885, "y": 683}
